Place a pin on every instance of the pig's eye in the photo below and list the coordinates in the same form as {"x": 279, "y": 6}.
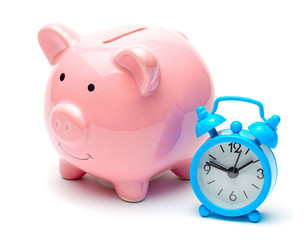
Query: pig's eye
{"x": 91, "y": 87}
{"x": 62, "y": 76}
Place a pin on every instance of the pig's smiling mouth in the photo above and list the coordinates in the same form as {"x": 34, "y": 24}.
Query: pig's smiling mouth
{"x": 83, "y": 159}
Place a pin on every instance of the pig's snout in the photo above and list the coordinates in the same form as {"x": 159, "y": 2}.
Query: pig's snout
{"x": 68, "y": 124}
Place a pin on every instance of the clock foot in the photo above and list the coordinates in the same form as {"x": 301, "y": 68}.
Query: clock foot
{"x": 204, "y": 212}
{"x": 254, "y": 216}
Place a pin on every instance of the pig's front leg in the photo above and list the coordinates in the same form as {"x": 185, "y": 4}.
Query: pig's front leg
{"x": 69, "y": 171}
{"x": 132, "y": 191}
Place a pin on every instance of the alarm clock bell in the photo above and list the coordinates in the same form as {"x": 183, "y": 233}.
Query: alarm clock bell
{"x": 207, "y": 122}
{"x": 266, "y": 132}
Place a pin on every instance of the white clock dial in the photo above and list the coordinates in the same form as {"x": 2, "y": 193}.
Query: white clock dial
{"x": 230, "y": 175}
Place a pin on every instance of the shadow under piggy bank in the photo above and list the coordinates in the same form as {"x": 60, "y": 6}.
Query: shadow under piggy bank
{"x": 91, "y": 189}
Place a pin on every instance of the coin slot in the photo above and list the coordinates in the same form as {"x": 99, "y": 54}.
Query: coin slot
{"x": 112, "y": 39}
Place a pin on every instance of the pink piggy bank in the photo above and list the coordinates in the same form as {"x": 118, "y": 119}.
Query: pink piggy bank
{"x": 120, "y": 104}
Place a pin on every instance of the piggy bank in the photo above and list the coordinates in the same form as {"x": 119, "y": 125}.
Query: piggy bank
{"x": 120, "y": 104}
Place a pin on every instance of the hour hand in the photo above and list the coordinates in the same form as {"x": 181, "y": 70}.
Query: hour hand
{"x": 215, "y": 165}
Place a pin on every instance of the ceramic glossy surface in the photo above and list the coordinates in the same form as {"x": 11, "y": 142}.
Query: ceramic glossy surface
{"x": 120, "y": 104}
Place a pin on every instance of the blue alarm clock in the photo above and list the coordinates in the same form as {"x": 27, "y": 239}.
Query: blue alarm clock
{"x": 233, "y": 172}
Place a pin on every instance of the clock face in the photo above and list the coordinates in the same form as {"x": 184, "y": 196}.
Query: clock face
{"x": 230, "y": 175}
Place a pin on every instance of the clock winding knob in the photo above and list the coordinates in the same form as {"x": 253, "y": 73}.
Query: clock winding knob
{"x": 236, "y": 126}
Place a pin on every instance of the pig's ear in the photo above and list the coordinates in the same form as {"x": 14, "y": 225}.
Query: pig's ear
{"x": 142, "y": 63}
{"x": 54, "y": 39}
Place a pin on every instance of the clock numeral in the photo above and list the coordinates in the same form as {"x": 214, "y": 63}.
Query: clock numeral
{"x": 207, "y": 168}
{"x": 232, "y": 197}
{"x": 235, "y": 146}
{"x": 261, "y": 172}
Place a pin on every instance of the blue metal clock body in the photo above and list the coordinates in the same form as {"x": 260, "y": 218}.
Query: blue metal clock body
{"x": 234, "y": 171}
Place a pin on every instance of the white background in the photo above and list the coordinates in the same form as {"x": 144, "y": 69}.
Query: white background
{"x": 252, "y": 48}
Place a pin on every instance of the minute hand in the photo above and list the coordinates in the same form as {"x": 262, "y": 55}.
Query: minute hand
{"x": 245, "y": 165}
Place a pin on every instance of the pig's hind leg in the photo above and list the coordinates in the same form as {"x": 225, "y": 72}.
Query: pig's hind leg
{"x": 132, "y": 191}
{"x": 69, "y": 171}
{"x": 182, "y": 168}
